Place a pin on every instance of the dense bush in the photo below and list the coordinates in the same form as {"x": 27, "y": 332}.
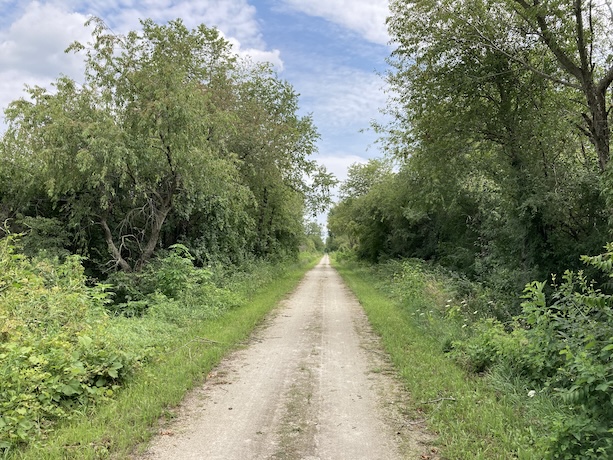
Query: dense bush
{"x": 56, "y": 353}
{"x": 561, "y": 345}
{"x": 65, "y": 343}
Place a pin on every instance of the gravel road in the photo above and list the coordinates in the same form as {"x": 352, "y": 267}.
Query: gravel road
{"x": 312, "y": 384}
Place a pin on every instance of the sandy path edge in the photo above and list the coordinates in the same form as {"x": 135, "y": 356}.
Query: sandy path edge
{"x": 313, "y": 384}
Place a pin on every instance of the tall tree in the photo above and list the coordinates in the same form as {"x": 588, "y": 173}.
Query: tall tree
{"x": 123, "y": 147}
{"x": 572, "y": 39}
{"x": 160, "y": 141}
{"x": 497, "y": 179}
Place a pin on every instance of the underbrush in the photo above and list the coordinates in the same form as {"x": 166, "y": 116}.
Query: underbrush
{"x": 69, "y": 348}
{"x": 561, "y": 347}
{"x": 552, "y": 363}
{"x": 57, "y": 349}
{"x": 421, "y": 312}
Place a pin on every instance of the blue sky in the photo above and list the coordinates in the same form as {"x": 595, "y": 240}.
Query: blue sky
{"x": 331, "y": 51}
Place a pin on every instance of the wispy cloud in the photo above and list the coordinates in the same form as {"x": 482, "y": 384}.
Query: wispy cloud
{"x": 33, "y": 40}
{"x": 343, "y": 97}
{"x": 366, "y": 17}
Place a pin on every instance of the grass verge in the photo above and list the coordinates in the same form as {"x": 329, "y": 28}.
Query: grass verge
{"x": 471, "y": 418}
{"x": 114, "y": 428}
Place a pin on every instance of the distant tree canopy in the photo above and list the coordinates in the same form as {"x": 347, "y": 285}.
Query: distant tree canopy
{"x": 170, "y": 138}
{"x": 500, "y": 128}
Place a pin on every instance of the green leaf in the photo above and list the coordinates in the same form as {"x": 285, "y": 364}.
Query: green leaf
{"x": 603, "y": 387}
{"x": 85, "y": 341}
{"x": 72, "y": 388}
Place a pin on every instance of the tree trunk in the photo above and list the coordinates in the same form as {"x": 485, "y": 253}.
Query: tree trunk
{"x": 115, "y": 252}
{"x": 154, "y": 236}
{"x": 597, "y": 122}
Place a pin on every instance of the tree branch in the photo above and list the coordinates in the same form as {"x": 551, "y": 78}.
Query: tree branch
{"x": 549, "y": 40}
{"x": 116, "y": 253}
{"x": 520, "y": 61}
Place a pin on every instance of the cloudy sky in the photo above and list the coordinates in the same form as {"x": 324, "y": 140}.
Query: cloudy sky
{"x": 331, "y": 51}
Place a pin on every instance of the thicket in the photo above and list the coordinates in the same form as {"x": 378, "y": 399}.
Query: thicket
{"x": 57, "y": 351}
{"x": 493, "y": 168}
{"x": 168, "y": 138}
{"x": 553, "y": 360}
{"x": 560, "y": 346}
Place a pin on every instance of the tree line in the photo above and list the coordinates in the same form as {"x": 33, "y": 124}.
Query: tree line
{"x": 498, "y": 168}
{"x": 170, "y": 138}
{"x": 498, "y": 150}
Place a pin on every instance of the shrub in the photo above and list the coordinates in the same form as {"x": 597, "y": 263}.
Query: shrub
{"x": 561, "y": 343}
{"x": 55, "y": 353}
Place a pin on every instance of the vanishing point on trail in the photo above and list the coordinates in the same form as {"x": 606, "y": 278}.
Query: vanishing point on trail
{"x": 311, "y": 384}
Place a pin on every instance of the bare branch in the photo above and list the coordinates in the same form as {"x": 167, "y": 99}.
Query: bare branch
{"x": 116, "y": 253}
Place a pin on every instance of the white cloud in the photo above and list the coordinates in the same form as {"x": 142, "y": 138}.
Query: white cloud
{"x": 344, "y": 97}
{"x": 35, "y": 42}
{"x": 32, "y": 49}
{"x": 366, "y": 17}
{"x": 32, "y": 46}
{"x": 339, "y": 162}
{"x": 236, "y": 18}
{"x": 258, "y": 55}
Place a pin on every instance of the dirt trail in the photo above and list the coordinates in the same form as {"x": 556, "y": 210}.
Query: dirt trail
{"x": 313, "y": 384}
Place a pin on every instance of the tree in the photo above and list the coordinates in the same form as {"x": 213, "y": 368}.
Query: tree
{"x": 495, "y": 180}
{"x": 274, "y": 146}
{"x": 571, "y": 39}
{"x": 169, "y": 138}
{"x": 137, "y": 137}
{"x": 312, "y": 233}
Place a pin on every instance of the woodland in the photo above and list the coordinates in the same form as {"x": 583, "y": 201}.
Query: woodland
{"x": 498, "y": 170}
{"x": 173, "y": 179}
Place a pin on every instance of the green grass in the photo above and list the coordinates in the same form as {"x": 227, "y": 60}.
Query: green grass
{"x": 476, "y": 421}
{"x": 115, "y": 428}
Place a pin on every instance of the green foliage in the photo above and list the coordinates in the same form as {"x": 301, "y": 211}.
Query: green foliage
{"x": 61, "y": 353}
{"x": 561, "y": 344}
{"x": 313, "y": 240}
{"x": 170, "y": 138}
{"x": 415, "y": 308}
{"x": 494, "y": 179}
{"x": 171, "y": 288}
{"x": 180, "y": 356}
{"x": 56, "y": 353}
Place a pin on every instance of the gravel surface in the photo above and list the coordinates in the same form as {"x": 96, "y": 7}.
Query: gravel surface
{"x": 312, "y": 384}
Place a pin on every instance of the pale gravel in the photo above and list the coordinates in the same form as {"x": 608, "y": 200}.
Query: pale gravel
{"x": 313, "y": 384}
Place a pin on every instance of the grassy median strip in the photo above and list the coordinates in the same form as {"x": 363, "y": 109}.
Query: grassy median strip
{"x": 470, "y": 418}
{"x": 116, "y": 427}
